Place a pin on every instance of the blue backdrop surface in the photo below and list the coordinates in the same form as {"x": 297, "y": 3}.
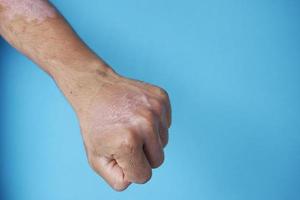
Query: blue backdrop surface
{"x": 232, "y": 69}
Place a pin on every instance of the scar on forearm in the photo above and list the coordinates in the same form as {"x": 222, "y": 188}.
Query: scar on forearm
{"x": 30, "y": 10}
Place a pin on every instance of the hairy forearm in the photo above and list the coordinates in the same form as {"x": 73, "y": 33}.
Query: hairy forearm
{"x": 36, "y": 29}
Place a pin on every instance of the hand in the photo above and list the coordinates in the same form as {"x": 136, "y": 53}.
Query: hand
{"x": 125, "y": 128}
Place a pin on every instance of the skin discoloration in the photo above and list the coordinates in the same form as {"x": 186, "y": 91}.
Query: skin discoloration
{"x": 120, "y": 109}
{"x": 31, "y": 10}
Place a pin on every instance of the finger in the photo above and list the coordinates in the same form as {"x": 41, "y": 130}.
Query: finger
{"x": 164, "y": 135}
{"x": 168, "y": 110}
{"x": 164, "y": 96}
{"x": 163, "y": 127}
{"x": 153, "y": 144}
{"x": 111, "y": 172}
{"x": 132, "y": 160}
{"x": 160, "y": 114}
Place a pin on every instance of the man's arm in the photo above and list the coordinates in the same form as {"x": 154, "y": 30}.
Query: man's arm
{"x": 124, "y": 123}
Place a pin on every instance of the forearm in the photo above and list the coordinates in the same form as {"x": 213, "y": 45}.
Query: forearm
{"x": 36, "y": 29}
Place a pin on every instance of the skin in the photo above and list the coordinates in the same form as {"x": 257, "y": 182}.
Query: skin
{"x": 124, "y": 122}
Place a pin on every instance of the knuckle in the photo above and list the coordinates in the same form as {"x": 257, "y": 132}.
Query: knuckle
{"x": 162, "y": 93}
{"x": 148, "y": 115}
{"x": 158, "y": 106}
{"x": 146, "y": 119}
{"x": 130, "y": 141}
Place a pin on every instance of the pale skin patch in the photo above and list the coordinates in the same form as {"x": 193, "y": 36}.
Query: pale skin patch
{"x": 30, "y": 10}
{"x": 118, "y": 109}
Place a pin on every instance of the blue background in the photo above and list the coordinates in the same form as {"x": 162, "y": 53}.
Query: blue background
{"x": 232, "y": 69}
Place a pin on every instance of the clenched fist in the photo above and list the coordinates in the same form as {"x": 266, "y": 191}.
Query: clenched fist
{"x": 124, "y": 126}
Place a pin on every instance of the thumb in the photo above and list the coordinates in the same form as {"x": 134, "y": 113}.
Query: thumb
{"x": 112, "y": 173}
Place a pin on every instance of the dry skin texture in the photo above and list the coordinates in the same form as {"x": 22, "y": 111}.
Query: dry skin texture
{"x": 31, "y": 10}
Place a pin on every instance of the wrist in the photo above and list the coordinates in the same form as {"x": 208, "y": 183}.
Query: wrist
{"x": 80, "y": 82}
